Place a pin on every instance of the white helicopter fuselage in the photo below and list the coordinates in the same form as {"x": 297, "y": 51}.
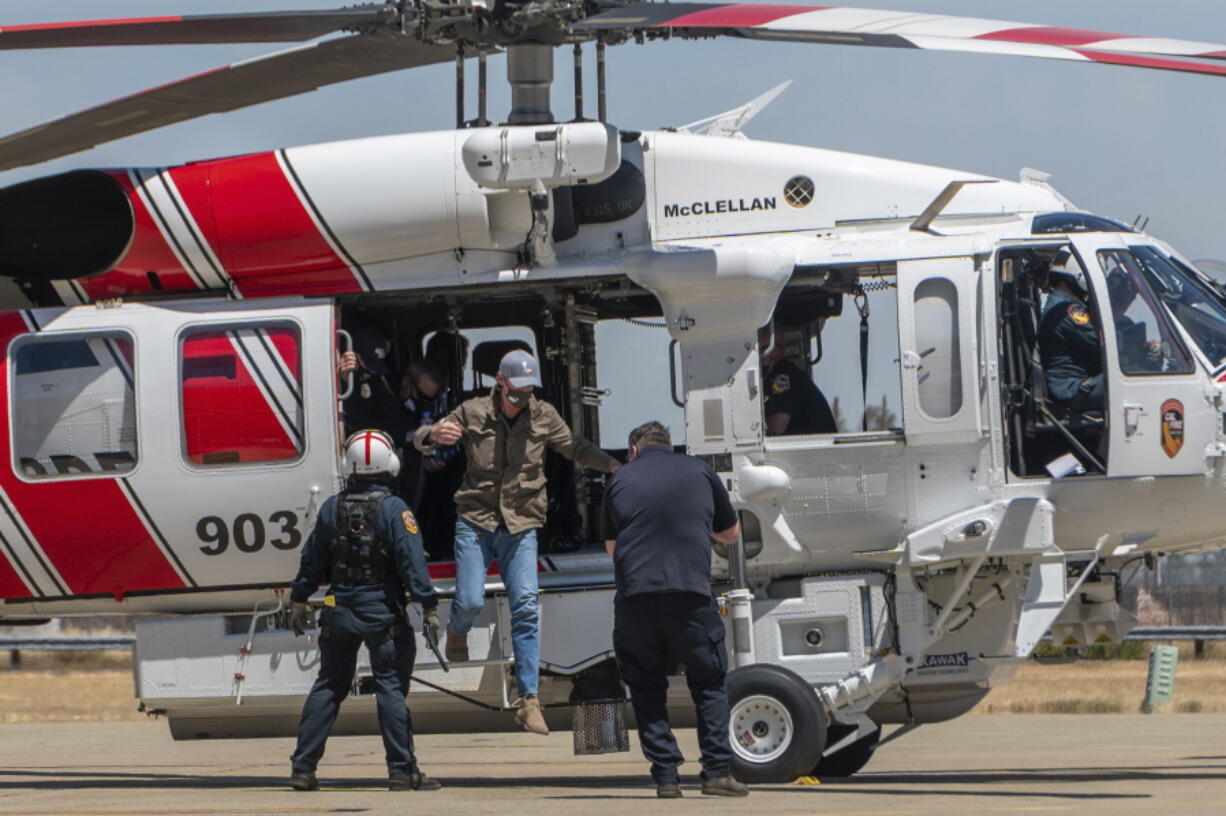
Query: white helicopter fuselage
{"x": 921, "y": 538}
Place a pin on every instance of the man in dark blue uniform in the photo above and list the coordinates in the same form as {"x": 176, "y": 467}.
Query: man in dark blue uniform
{"x": 1069, "y": 342}
{"x": 366, "y": 546}
{"x": 794, "y": 404}
{"x": 660, "y": 513}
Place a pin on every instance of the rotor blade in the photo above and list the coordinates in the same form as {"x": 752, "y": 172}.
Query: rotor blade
{"x": 894, "y": 29}
{"x": 263, "y": 79}
{"x": 272, "y": 26}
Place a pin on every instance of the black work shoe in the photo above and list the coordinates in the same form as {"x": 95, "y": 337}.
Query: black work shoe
{"x": 303, "y": 781}
{"x": 668, "y": 790}
{"x": 417, "y": 781}
{"x": 723, "y": 786}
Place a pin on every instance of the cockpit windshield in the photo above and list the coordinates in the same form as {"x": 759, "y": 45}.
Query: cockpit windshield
{"x": 1196, "y": 303}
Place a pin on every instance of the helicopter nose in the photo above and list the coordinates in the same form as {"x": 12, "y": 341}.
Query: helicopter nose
{"x": 61, "y": 227}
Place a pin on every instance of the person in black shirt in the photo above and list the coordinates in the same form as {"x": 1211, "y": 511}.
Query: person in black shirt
{"x": 794, "y": 405}
{"x": 373, "y": 403}
{"x": 426, "y": 484}
{"x": 660, "y": 512}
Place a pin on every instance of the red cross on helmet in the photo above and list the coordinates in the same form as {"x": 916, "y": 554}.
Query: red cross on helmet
{"x": 370, "y": 453}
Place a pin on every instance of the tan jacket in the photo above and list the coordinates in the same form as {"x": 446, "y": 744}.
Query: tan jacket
{"x": 505, "y": 480}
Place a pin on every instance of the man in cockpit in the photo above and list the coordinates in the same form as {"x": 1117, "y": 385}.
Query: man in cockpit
{"x": 793, "y": 403}
{"x": 1069, "y": 342}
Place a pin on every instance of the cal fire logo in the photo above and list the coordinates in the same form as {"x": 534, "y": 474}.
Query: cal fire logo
{"x": 1172, "y": 427}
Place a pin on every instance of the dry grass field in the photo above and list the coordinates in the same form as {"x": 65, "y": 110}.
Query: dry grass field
{"x": 82, "y": 686}
{"x": 1105, "y": 687}
{"x": 68, "y": 687}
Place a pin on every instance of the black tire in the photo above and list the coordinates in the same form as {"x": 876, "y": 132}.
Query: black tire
{"x": 850, "y": 760}
{"x": 781, "y": 724}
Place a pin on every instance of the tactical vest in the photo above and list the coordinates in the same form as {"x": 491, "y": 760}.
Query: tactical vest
{"x": 359, "y": 556}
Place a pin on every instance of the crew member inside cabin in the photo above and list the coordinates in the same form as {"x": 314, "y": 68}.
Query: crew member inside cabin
{"x": 1069, "y": 342}
{"x": 373, "y": 403}
{"x": 366, "y": 547}
{"x": 425, "y": 481}
{"x": 793, "y": 402}
{"x": 502, "y": 502}
{"x": 661, "y": 512}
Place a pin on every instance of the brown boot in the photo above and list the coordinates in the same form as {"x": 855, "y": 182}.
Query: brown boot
{"x": 530, "y": 716}
{"x": 456, "y": 648}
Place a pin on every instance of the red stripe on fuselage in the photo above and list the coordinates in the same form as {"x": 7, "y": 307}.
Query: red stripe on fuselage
{"x": 447, "y": 569}
{"x": 148, "y": 251}
{"x": 86, "y": 527}
{"x": 736, "y": 16}
{"x": 11, "y": 585}
{"x": 261, "y": 231}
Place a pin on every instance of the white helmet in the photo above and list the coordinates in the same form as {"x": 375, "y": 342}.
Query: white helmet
{"x": 370, "y": 453}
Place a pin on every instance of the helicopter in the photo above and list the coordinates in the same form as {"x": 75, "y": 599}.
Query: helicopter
{"x": 171, "y": 337}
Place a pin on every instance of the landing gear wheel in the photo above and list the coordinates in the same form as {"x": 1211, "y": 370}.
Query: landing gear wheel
{"x": 849, "y": 760}
{"x": 778, "y": 725}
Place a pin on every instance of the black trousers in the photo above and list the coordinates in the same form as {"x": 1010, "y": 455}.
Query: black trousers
{"x": 652, "y": 631}
{"x": 391, "y": 663}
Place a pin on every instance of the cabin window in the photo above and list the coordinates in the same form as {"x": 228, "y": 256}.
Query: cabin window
{"x": 632, "y": 356}
{"x": 242, "y": 394}
{"x": 938, "y": 344}
{"x": 838, "y": 328}
{"x": 1145, "y": 341}
{"x": 74, "y": 406}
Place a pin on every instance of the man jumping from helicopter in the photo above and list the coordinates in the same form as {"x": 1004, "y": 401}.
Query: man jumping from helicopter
{"x": 502, "y": 502}
{"x": 366, "y": 546}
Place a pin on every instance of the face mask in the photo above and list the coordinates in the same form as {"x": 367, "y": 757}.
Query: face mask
{"x": 380, "y": 352}
{"x": 518, "y": 398}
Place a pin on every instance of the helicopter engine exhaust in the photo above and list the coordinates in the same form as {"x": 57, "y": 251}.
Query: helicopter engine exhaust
{"x": 73, "y": 225}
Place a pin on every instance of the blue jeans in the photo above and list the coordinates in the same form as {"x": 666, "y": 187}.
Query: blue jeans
{"x": 475, "y": 548}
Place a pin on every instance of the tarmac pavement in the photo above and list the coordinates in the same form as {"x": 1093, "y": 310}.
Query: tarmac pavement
{"x": 1116, "y": 764}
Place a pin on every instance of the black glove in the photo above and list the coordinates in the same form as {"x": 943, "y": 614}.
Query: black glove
{"x": 299, "y": 618}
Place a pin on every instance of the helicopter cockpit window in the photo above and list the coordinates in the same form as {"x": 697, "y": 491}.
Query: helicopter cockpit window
{"x": 1196, "y": 303}
{"x": 1147, "y": 345}
{"x": 242, "y": 394}
{"x": 1051, "y": 362}
{"x": 74, "y": 406}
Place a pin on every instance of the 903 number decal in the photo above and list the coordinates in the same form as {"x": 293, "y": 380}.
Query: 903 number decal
{"x": 248, "y": 532}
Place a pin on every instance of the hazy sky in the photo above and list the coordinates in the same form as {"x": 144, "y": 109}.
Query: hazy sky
{"x": 1117, "y": 141}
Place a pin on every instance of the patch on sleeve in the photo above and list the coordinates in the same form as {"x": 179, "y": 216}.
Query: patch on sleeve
{"x": 780, "y": 384}
{"x": 1078, "y": 314}
{"x": 410, "y": 523}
